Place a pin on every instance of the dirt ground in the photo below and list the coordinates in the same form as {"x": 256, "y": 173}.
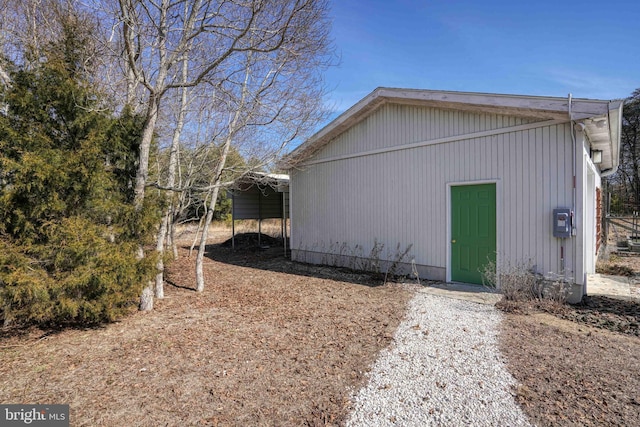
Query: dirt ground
{"x": 579, "y": 365}
{"x": 570, "y": 374}
{"x": 270, "y": 342}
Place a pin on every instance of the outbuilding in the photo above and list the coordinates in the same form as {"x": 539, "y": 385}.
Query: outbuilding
{"x": 259, "y": 196}
{"x": 441, "y": 183}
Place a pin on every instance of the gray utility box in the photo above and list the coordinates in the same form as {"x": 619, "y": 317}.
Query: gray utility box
{"x": 562, "y": 223}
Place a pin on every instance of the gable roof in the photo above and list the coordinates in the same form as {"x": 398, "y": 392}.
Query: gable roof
{"x": 601, "y": 119}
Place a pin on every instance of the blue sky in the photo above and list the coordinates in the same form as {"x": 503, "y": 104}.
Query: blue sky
{"x": 588, "y": 48}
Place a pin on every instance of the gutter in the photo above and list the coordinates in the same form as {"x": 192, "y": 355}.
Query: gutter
{"x": 615, "y": 127}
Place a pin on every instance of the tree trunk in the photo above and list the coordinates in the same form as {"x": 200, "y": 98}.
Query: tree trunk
{"x": 212, "y": 206}
{"x": 171, "y": 236}
{"x": 146, "y": 299}
{"x": 143, "y": 152}
{"x": 160, "y": 253}
{"x": 202, "y": 247}
{"x": 171, "y": 180}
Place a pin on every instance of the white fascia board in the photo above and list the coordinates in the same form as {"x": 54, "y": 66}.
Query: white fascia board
{"x": 538, "y": 105}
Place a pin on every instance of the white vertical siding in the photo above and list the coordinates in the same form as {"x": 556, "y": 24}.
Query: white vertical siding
{"x": 395, "y": 124}
{"x": 401, "y": 196}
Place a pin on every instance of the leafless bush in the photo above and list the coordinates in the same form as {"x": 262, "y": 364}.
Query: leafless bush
{"x": 414, "y": 271}
{"x": 333, "y": 257}
{"x": 374, "y": 256}
{"x": 516, "y": 282}
{"x": 397, "y": 259}
{"x": 520, "y": 286}
{"x": 555, "y": 291}
{"x": 356, "y": 257}
{"x": 340, "y": 254}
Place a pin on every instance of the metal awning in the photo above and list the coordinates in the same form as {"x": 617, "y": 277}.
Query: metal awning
{"x": 259, "y": 196}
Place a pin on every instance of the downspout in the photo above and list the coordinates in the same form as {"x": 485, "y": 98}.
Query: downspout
{"x": 573, "y": 173}
{"x": 575, "y": 154}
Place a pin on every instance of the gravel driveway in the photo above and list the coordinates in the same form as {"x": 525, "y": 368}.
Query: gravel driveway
{"x": 443, "y": 368}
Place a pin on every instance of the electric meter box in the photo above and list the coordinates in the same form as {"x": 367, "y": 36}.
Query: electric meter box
{"x": 562, "y": 223}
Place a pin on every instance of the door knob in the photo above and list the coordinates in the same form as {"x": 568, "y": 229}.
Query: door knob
{"x": 453, "y": 241}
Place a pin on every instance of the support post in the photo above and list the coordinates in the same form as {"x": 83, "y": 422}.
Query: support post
{"x": 284, "y": 222}
{"x": 287, "y": 218}
{"x": 259, "y": 217}
{"x": 233, "y": 221}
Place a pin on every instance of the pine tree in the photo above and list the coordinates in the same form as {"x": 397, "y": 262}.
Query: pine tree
{"x": 69, "y": 232}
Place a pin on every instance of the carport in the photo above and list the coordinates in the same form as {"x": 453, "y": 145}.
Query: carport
{"x": 259, "y": 196}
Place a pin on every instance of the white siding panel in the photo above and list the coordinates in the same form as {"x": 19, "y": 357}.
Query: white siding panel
{"x": 395, "y": 124}
{"x": 400, "y": 197}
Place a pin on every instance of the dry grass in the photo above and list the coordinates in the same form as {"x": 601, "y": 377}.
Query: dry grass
{"x": 571, "y": 374}
{"x": 272, "y": 342}
{"x": 222, "y": 230}
{"x": 578, "y": 365}
{"x": 269, "y": 342}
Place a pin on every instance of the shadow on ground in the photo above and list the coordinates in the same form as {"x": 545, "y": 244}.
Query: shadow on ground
{"x": 617, "y": 314}
{"x": 270, "y": 256}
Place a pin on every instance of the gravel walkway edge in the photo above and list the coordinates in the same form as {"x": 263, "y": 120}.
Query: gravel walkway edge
{"x": 442, "y": 368}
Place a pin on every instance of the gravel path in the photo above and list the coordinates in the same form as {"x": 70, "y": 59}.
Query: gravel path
{"x": 444, "y": 368}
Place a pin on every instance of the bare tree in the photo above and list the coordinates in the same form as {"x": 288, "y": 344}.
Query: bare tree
{"x": 277, "y": 100}
{"x": 290, "y": 37}
{"x": 25, "y": 27}
{"x": 167, "y": 219}
{"x": 28, "y": 27}
{"x": 625, "y": 183}
{"x": 156, "y": 36}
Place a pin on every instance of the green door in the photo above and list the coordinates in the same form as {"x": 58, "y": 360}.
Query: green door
{"x": 473, "y": 230}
